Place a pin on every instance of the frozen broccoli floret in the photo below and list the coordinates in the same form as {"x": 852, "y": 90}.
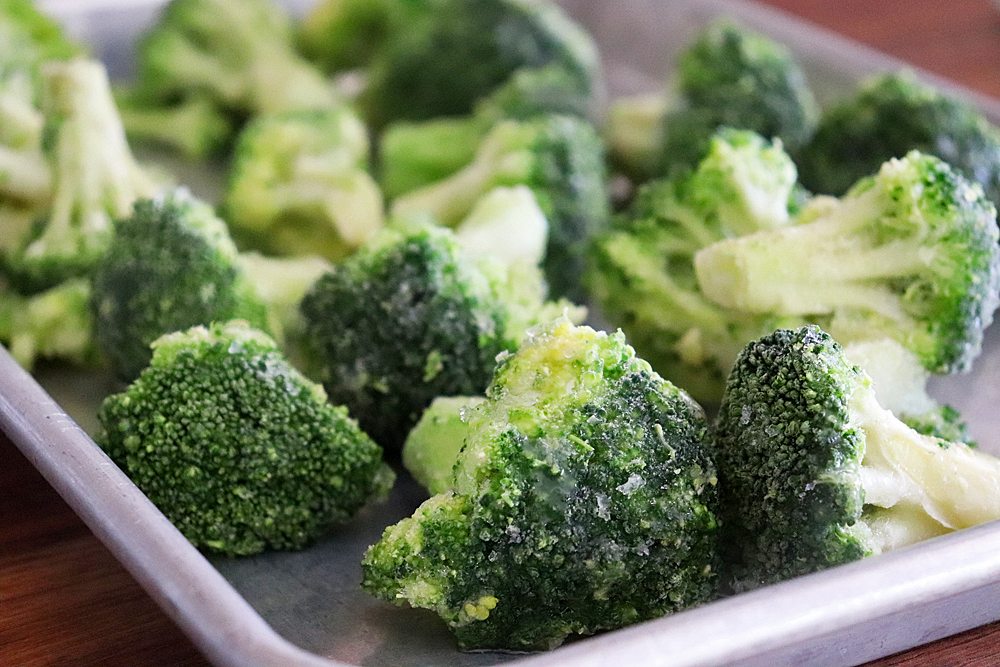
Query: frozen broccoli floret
{"x": 53, "y": 324}
{"x": 910, "y": 253}
{"x": 561, "y": 159}
{"x": 890, "y": 115}
{"x": 813, "y": 472}
{"x": 170, "y": 265}
{"x": 237, "y": 448}
{"x": 194, "y": 126}
{"x": 433, "y": 444}
{"x": 95, "y": 178}
{"x": 299, "y": 184}
{"x": 415, "y": 153}
{"x": 347, "y": 34}
{"x": 238, "y": 54}
{"x": 462, "y": 50}
{"x": 405, "y": 319}
{"x": 582, "y": 501}
{"x": 642, "y": 271}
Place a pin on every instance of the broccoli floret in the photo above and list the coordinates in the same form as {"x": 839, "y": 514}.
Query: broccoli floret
{"x": 169, "y": 266}
{"x": 415, "y": 153}
{"x": 890, "y": 115}
{"x": 460, "y": 51}
{"x": 194, "y": 126}
{"x": 347, "y": 34}
{"x": 813, "y": 472}
{"x": 240, "y": 54}
{"x": 433, "y": 444}
{"x": 53, "y": 324}
{"x": 237, "y": 448}
{"x": 642, "y": 271}
{"x": 95, "y": 178}
{"x": 561, "y": 159}
{"x": 298, "y": 184}
{"x": 582, "y": 501}
{"x": 910, "y": 253}
{"x": 405, "y": 319}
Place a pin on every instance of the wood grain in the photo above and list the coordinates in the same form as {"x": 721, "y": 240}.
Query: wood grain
{"x": 66, "y": 602}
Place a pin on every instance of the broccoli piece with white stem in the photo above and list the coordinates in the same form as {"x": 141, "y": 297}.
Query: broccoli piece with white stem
{"x": 433, "y": 445}
{"x": 910, "y": 253}
{"x": 95, "y": 178}
{"x": 813, "y": 472}
{"x": 298, "y": 184}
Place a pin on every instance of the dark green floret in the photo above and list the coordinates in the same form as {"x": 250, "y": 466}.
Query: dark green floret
{"x": 582, "y": 501}
{"x": 169, "y": 266}
{"x": 813, "y": 472}
{"x": 561, "y": 159}
{"x": 890, "y": 115}
{"x": 910, "y": 253}
{"x": 459, "y": 51}
{"x": 642, "y": 271}
{"x": 405, "y": 319}
{"x": 238, "y": 449}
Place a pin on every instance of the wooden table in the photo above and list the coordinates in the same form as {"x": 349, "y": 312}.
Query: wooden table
{"x": 66, "y": 602}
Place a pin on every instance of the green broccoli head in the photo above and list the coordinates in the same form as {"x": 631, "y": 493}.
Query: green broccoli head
{"x": 239, "y": 53}
{"x": 910, "y": 253}
{"x": 890, "y": 115}
{"x": 405, "y": 319}
{"x": 299, "y": 184}
{"x": 238, "y": 449}
{"x": 561, "y": 159}
{"x": 169, "y": 266}
{"x": 733, "y": 77}
{"x": 582, "y": 501}
{"x": 95, "y": 178}
{"x": 460, "y": 51}
{"x": 52, "y": 324}
{"x": 642, "y": 271}
{"x": 813, "y": 472}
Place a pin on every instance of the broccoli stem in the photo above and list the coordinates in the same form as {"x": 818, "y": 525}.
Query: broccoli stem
{"x": 918, "y": 481}
{"x": 24, "y": 175}
{"x": 194, "y": 126}
{"x": 20, "y": 123}
{"x": 414, "y": 154}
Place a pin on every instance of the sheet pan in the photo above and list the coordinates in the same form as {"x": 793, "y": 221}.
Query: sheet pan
{"x": 306, "y": 610}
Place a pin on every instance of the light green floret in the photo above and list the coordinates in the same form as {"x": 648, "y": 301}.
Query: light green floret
{"x": 642, "y": 271}
{"x": 813, "y": 472}
{"x": 236, "y": 447}
{"x": 582, "y": 501}
{"x": 910, "y": 253}
{"x": 298, "y": 184}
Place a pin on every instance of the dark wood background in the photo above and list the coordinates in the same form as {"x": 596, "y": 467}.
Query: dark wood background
{"x": 66, "y": 602}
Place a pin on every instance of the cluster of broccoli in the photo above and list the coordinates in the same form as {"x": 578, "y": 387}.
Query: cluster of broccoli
{"x": 393, "y": 274}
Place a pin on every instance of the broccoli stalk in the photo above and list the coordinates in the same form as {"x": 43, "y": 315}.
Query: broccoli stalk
{"x": 236, "y": 447}
{"x": 298, "y": 184}
{"x": 193, "y": 126}
{"x": 561, "y": 160}
{"x": 582, "y": 501}
{"x": 95, "y": 178}
{"x": 240, "y": 53}
{"x": 433, "y": 445}
{"x": 909, "y": 254}
{"x": 813, "y": 472}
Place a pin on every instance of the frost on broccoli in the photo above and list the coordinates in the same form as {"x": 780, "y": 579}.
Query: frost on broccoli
{"x": 170, "y": 265}
{"x": 582, "y": 501}
{"x": 561, "y": 159}
{"x": 95, "y": 178}
{"x": 642, "y": 271}
{"x": 459, "y": 51}
{"x": 813, "y": 472}
{"x": 890, "y": 115}
{"x": 299, "y": 184}
{"x": 910, "y": 253}
{"x": 238, "y": 449}
{"x": 405, "y": 319}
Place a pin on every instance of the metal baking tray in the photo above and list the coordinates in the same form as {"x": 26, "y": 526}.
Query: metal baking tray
{"x": 306, "y": 609}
